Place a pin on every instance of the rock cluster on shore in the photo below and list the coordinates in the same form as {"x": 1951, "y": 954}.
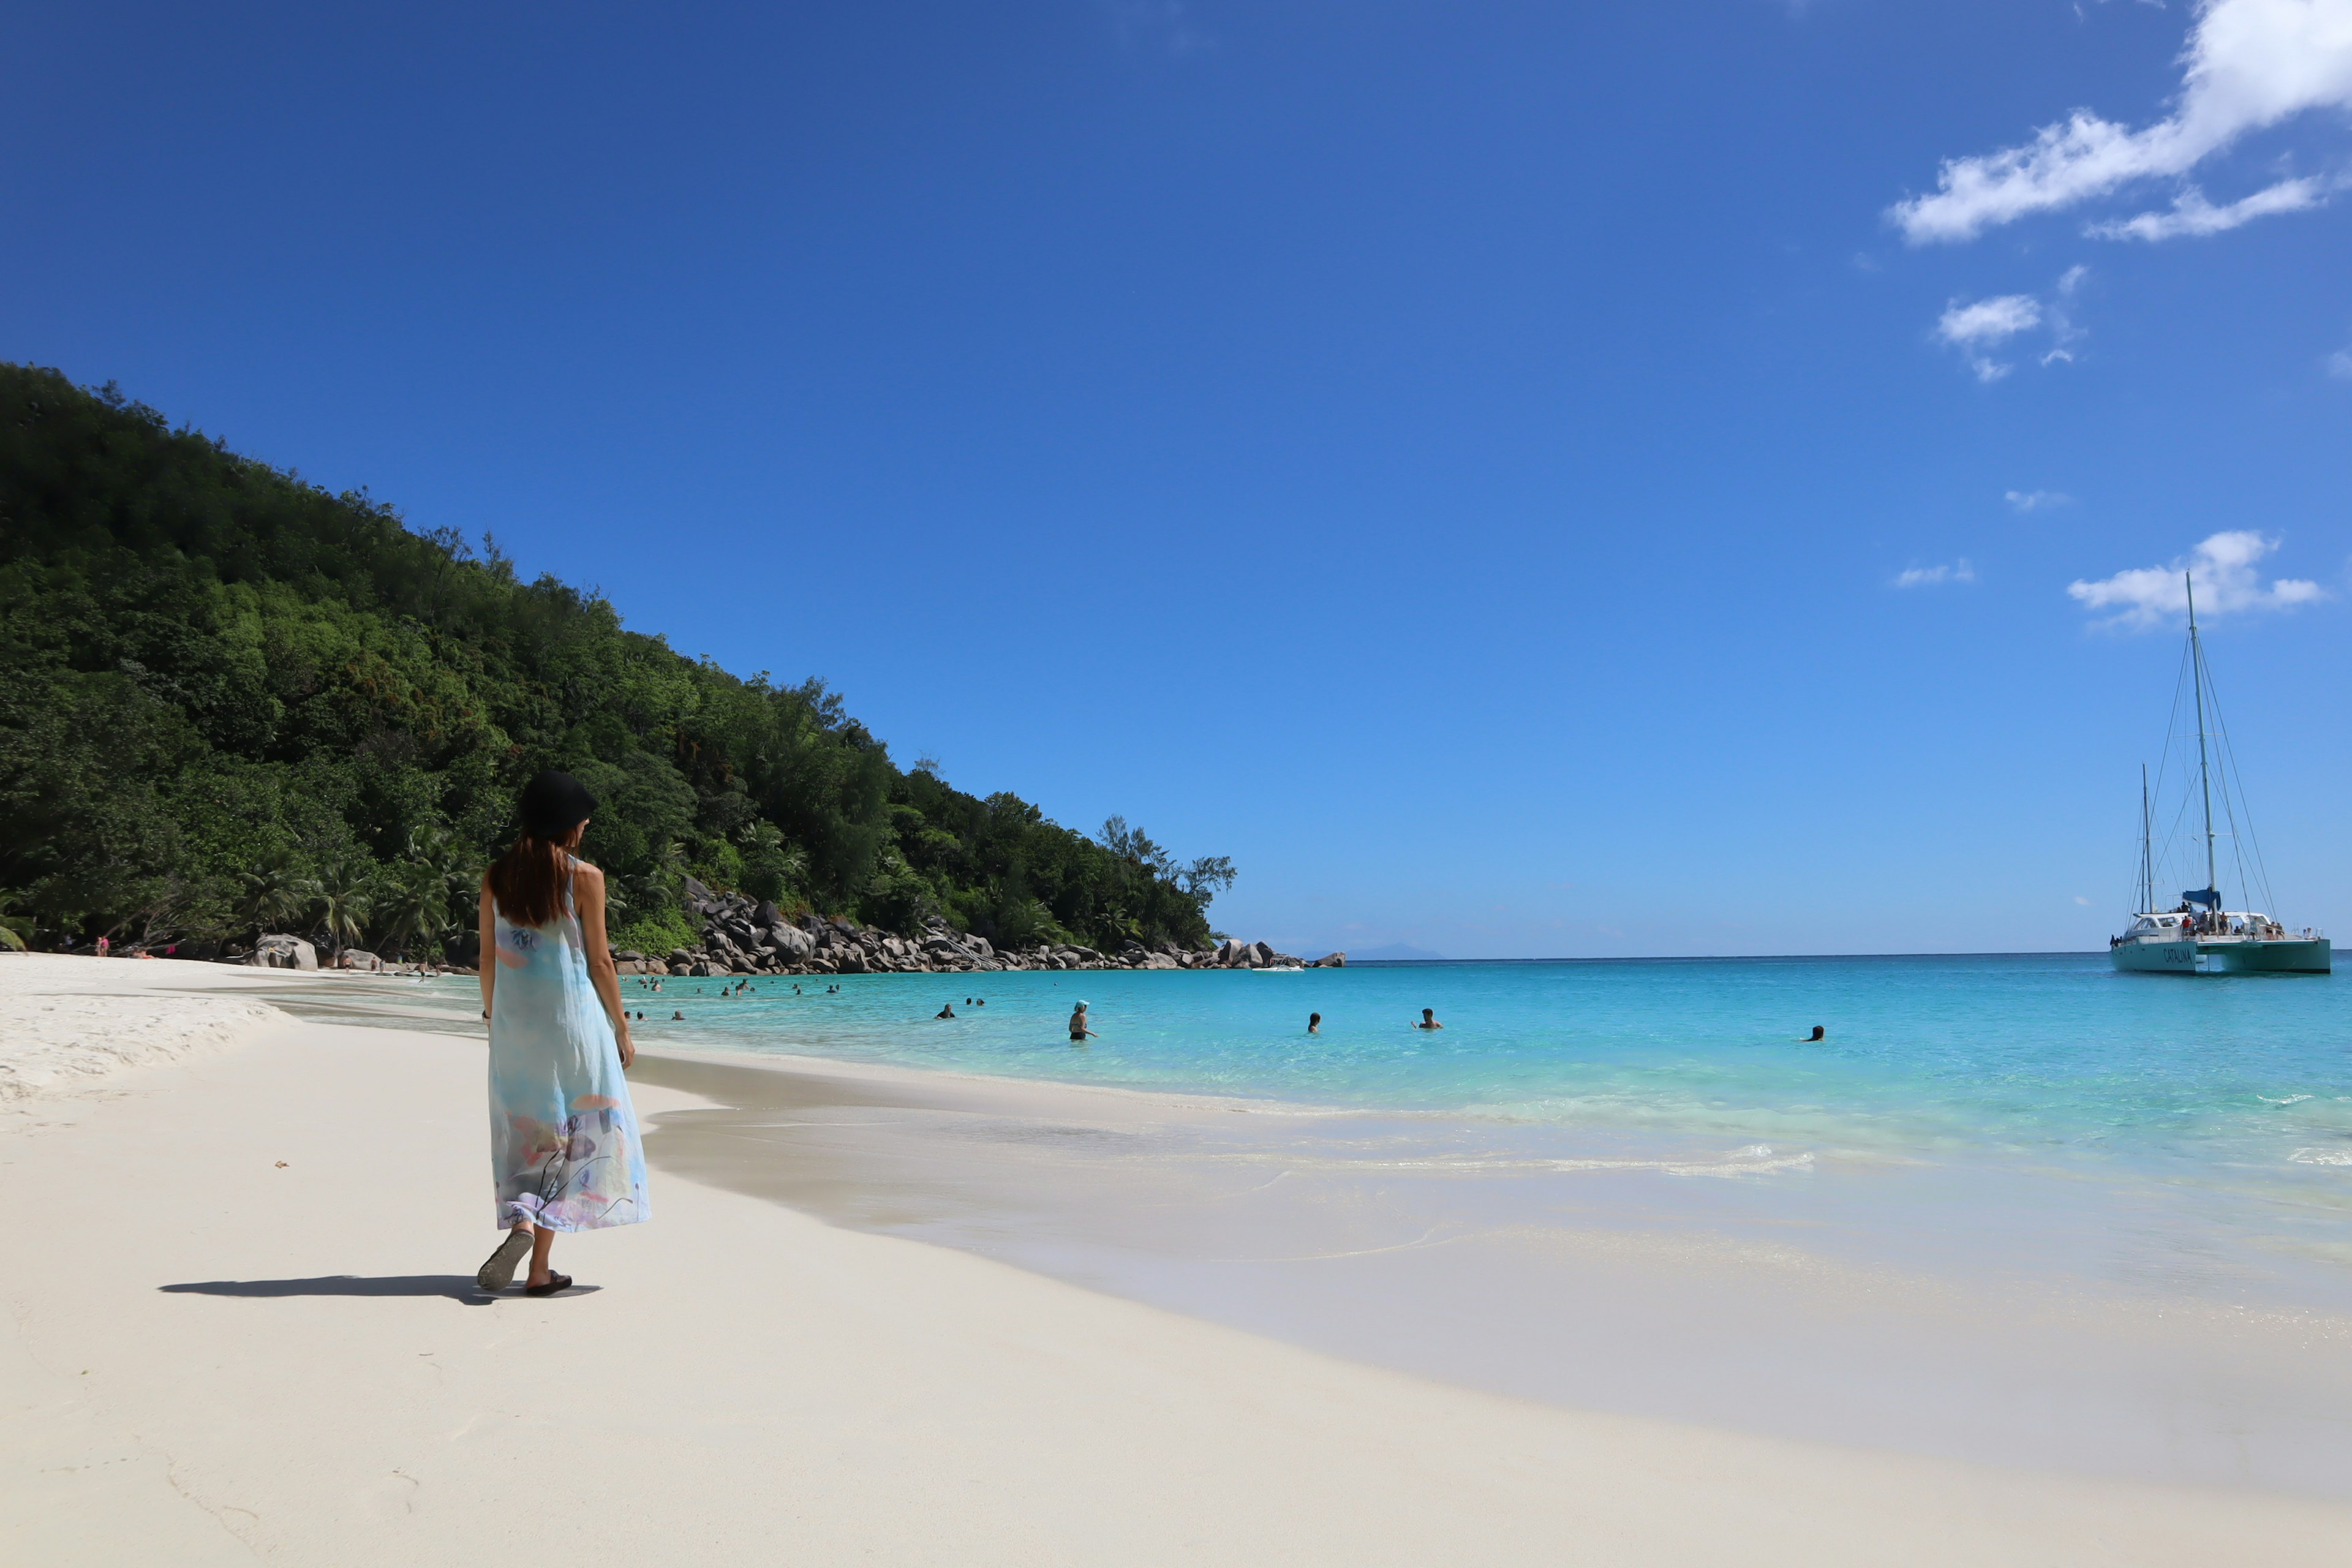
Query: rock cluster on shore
{"x": 745, "y": 936}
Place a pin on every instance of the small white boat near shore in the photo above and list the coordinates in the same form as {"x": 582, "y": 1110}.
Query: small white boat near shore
{"x": 2197, "y": 936}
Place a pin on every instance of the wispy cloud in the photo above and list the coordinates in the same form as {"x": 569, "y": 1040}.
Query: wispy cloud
{"x": 2192, "y": 214}
{"x": 1161, "y": 24}
{"x": 2036, "y": 501}
{"x": 2339, "y": 364}
{"x": 1928, "y": 576}
{"x": 2222, "y": 567}
{"x": 2062, "y": 330}
{"x": 2247, "y": 64}
{"x": 1978, "y": 327}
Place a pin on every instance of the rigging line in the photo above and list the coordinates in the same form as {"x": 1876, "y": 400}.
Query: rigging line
{"x": 2171, "y": 734}
{"x": 2173, "y": 836}
{"x": 2231, "y": 809}
{"x": 2172, "y": 721}
{"x": 2230, "y": 761}
{"x": 2140, "y": 882}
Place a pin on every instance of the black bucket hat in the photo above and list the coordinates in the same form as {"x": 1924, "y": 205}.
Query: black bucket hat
{"x": 553, "y": 804}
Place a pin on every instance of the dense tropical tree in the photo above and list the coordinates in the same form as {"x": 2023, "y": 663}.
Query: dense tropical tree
{"x": 216, "y": 681}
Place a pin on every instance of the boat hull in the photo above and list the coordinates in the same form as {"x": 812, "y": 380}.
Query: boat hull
{"x": 2291, "y": 955}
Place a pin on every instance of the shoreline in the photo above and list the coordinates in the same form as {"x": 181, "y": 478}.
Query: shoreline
{"x": 1624, "y": 1286}
{"x": 288, "y": 1364}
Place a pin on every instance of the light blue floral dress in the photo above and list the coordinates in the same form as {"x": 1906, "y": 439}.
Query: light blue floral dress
{"x": 563, "y": 1136}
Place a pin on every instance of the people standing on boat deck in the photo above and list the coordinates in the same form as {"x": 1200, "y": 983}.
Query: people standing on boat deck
{"x": 1079, "y": 1033}
{"x": 565, "y": 1153}
{"x": 1429, "y": 1019}
{"x": 1314, "y": 1023}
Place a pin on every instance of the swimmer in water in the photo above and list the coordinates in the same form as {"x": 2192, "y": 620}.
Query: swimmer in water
{"x": 1819, "y": 1034}
{"x": 946, "y": 1011}
{"x": 1429, "y": 1019}
{"x": 1314, "y": 1023}
{"x": 1079, "y": 1033}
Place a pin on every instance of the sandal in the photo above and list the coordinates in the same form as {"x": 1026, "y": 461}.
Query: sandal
{"x": 497, "y": 1271}
{"x": 554, "y": 1282}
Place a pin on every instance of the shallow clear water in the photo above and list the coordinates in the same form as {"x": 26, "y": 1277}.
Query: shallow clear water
{"x": 2026, "y": 1055}
{"x": 2194, "y": 1112}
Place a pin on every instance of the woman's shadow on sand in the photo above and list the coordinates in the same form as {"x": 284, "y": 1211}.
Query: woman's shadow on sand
{"x": 455, "y": 1287}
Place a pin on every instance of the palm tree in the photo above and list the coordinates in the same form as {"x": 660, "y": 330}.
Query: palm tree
{"x": 420, "y": 900}
{"x": 446, "y": 866}
{"x": 274, "y": 892}
{"x": 16, "y": 930}
{"x": 413, "y": 905}
{"x": 343, "y": 893}
{"x": 769, "y": 860}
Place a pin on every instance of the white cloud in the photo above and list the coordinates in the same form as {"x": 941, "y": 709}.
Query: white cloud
{"x": 2036, "y": 501}
{"x": 2081, "y": 900}
{"x": 2192, "y": 214}
{"x": 2223, "y": 570}
{"x": 1981, "y": 326}
{"x": 1974, "y": 328}
{"x": 1928, "y": 576}
{"x": 2248, "y": 64}
{"x": 1987, "y": 322}
{"x": 2339, "y": 364}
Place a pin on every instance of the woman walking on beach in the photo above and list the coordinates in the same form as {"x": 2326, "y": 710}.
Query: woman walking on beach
{"x": 563, "y": 1137}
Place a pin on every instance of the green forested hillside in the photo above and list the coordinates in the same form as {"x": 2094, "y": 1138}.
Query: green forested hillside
{"x": 230, "y": 700}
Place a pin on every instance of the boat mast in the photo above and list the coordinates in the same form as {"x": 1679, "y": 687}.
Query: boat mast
{"x": 2204, "y": 780}
{"x": 2146, "y": 862}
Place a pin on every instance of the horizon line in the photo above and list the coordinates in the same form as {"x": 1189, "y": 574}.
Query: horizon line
{"x": 1720, "y": 957}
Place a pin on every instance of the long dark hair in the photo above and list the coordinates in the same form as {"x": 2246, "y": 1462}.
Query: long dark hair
{"x": 527, "y": 882}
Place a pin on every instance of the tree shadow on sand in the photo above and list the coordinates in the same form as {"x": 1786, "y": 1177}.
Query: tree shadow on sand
{"x": 455, "y": 1286}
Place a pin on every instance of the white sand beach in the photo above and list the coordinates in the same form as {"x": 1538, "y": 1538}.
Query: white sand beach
{"x": 241, "y": 1326}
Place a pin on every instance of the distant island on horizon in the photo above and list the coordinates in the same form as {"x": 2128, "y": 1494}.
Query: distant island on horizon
{"x": 1394, "y": 953}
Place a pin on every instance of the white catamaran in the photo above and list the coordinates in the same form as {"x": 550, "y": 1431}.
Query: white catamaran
{"x": 2199, "y": 936}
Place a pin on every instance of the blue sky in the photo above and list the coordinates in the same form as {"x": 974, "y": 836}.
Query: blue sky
{"x": 1521, "y": 479}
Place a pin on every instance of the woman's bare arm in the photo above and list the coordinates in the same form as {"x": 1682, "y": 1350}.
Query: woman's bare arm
{"x": 486, "y": 962}
{"x": 590, "y": 885}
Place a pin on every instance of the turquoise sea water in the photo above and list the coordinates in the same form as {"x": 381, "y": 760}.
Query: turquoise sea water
{"x": 2206, "y": 1111}
{"x": 2015, "y": 1209}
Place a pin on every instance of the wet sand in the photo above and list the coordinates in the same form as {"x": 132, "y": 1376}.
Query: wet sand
{"x": 1708, "y": 1294}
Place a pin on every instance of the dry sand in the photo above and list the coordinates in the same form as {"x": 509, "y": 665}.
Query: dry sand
{"x": 74, "y": 1028}
{"x": 241, "y": 1326}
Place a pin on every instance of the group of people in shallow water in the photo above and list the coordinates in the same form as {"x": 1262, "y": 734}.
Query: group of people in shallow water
{"x": 1082, "y": 1027}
